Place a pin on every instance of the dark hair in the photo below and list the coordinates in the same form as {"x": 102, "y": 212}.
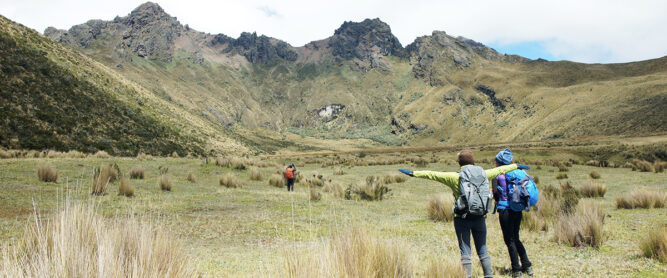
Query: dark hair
{"x": 465, "y": 157}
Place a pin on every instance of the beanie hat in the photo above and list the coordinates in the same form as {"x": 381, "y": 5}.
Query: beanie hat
{"x": 504, "y": 157}
{"x": 465, "y": 158}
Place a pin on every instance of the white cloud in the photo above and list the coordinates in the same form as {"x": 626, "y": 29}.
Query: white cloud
{"x": 584, "y": 31}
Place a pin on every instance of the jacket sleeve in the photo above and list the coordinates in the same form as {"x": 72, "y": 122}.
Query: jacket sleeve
{"x": 492, "y": 173}
{"x": 450, "y": 179}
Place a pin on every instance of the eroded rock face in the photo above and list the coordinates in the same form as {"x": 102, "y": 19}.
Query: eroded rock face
{"x": 258, "y": 49}
{"x": 362, "y": 39}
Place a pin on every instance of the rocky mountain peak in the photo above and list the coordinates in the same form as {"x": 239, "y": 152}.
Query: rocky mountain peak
{"x": 145, "y": 14}
{"x": 362, "y": 39}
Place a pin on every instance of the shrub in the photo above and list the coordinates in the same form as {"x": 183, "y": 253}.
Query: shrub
{"x": 47, "y": 173}
{"x": 255, "y": 175}
{"x": 642, "y": 198}
{"x": 654, "y": 245}
{"x": 447, "y": 268}
{"x": 165, "y": 183}
{"x": 372, "y": 190}
{"x": 230, "y": 181}
{"x": 338, "y": 171}
{"x": 593, "y": 190}
{"x": 277, "y": 180}
{"x": 191, "y": 178}
{"x": 351, "y": 253}
{"x": 80, "y": 242}
{"x": 101, "y": 154}
{"x": 314, "y": 195}
{"x": 125, "y": 188}
{"x": 137, "y": 173}
{"x": 595, "y": 175}
{"x": 561, "y": 176}
{"x": 581, "y": 228}
{"x": 439, "y": 207}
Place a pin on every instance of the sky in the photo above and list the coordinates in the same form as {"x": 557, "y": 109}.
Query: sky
{"x": 589, "y": 31}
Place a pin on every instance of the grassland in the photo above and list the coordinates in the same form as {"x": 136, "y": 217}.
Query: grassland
{"x": 248, "y": 231}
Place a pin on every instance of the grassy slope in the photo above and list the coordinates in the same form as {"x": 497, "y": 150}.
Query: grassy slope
{"x": 244, "y": 232}
{"x": 58, "y": 98}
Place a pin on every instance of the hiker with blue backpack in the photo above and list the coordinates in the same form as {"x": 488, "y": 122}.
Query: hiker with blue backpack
{"x": 472, "y": 194}
{"x": 514, "y": 192}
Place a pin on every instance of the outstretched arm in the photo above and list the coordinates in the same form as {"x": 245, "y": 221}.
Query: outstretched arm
{"x": 492, "y": 173}
{"x": 450, "y": 179}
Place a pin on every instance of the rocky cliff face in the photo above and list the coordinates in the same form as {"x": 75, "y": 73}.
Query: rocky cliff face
{"x": 258, "y": 49}
{"x": 362, "y": 39}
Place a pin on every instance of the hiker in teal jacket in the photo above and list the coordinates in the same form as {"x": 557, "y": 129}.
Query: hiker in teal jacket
{"x": 465, "y": 226}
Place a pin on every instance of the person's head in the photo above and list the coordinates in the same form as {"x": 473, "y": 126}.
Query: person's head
{"x": 465, "y": 157}
{"x": 290, "y": 166}
{"x": 504, "y": 157}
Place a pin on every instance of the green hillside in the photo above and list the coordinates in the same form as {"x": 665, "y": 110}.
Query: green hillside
{"x": 56, "y": 98}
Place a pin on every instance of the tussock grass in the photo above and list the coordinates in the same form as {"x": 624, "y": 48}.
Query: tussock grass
{"x": 561, "y": 176}
{"x": 659, "y": 166}
{"x": 569, "y": 198}
{"x": 164, "y": 183}
{"x": 102, "y": 177}
{"x": 439, "y": 207}
{"x": 536, "y": 179}
{"x": 191, "y": 177}
{"x": 101, "y": 154}
{"x": 642, "y": 166}
{"x": 238, "y": 163}
{"x": 125, "y": 188}
{"x": 595, "y": 175}
{"x": 541, "y": 216}
{"x": 394, "y": 178}
{"x": 351, "y": 253}
{"x": 255, "y": 174}
{"x": 654, "y": 245}
{"x": 277, "y": 180}
{"x": 445, "y": 268}
{"x": 47, "y": 173}
{"x": 175, "y": 155}
{"x": 138, "y": 173}
{"x": 335, "y": 188}
{"x": 5, "y": 154}
{"x": 80, "y": 242}
{"x": 593, "y": 190}
{"x": 143, "y": 156}
{"x": 338, "y": 171}
{"x": 642, "y": 198}
{"x": 373, "y": 189}
{"x": 229, "y": 180}
{"x": 581, "y": 228}
{"x": 314, "y": 195}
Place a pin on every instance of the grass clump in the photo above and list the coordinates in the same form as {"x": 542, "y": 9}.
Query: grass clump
{"x": 593, "y": 190}
{"x": 447, "y": 268}
{"x": 569, "y": 198}
{"x": 642, "y": 198}
{"x": 394, "y": 178}
{"x": 582, "y": 227}
{"x": 654, "y": 245}
{"x": 47, "y": 173}
{"x": 102, "y": 177}
{"x": 255, "y": 174}
{"x": 277, "y": 180}
{"x": 595, "y": 175}
{"x": 338, "y": 171}
{"x": 125, "y": 188}
{"x": 101, "y": 154}
{"x": 351, "y": 253}
{"x": 561, "y": 176}
{"x": 79, "y": 242}
{"x": 191, "y": 178}
{"x": 230, "y": 181}
{"x": 314, "y": 195}
{"x": 439, "y": 208}
{"x": 642, "y": 166}
{"x": 138, "y": 173}
{"x": 372, "y": 190}
{"x": 238, "y": 163}
{"x": 164, "y": 182}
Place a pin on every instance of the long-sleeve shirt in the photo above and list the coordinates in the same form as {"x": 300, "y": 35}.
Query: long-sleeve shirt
{"x": 451, "y": 179}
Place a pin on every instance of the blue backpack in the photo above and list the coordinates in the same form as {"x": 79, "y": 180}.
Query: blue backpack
{"x": 522, "y": 190}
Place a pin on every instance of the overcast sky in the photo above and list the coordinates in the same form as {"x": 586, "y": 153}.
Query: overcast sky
{"x": 593, "y": 31}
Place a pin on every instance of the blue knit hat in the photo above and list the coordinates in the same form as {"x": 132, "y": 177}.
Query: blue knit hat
{"x": 504, "y": 157}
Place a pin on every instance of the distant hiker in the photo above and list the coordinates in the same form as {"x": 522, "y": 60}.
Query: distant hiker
{"x": 290, "y": 173}
{"x": 472, "y": 194}
{"x": 510, "y": 216}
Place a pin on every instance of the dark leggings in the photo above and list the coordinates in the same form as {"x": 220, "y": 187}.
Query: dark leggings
{"x": 510, "y": 223}
{"x": 476, "y": 227}
{"x": 290, "y": 184}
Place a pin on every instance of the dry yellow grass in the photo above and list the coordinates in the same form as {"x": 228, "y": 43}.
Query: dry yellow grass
{"x": 351, "y": 253}
{"x": 654, "y": 245}
{"x": 583, "y": 227}
{"x": 80, "y": 242}
{"x": 314, "y": 195}
{"x": 595, "y": 175}
{"x": 101, "y": 179}
{"x": 593, "y": 189}
{"x": 137, "y": 173}
{"x": 164, "y": 183}
{"x": 338, "y": 171}
{"x": 47, "y": 173}
{"x": 439, "y": 207}
{"x": 255, "y": 174}
{"x": 230, "y": 181}
{"x": 102, "y": 154}
{"x": 191, "y": 178}
{"x": 642, "y": 198}
{"x": 445, "y": 268}
{"x": 125, "y": 188}
{"x": 277, "y": 180}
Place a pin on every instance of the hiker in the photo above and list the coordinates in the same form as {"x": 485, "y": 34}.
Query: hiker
{"x": 469, "y": 216}
{"x": 510, "y": 218}
{"x": 290, "y": 173}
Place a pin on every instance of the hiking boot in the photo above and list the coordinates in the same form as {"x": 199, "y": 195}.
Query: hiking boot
{"x": 516, "y": 274}
{"x": 528, "y": 270}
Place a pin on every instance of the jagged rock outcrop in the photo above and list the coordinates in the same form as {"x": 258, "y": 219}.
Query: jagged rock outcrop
{"x": 257, "y": 49}
{"x": 363, "y": 40}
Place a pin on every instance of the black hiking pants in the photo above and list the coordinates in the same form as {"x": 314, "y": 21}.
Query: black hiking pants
{"x": 510, "y": 223}
{"x": 290, "y": 184}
